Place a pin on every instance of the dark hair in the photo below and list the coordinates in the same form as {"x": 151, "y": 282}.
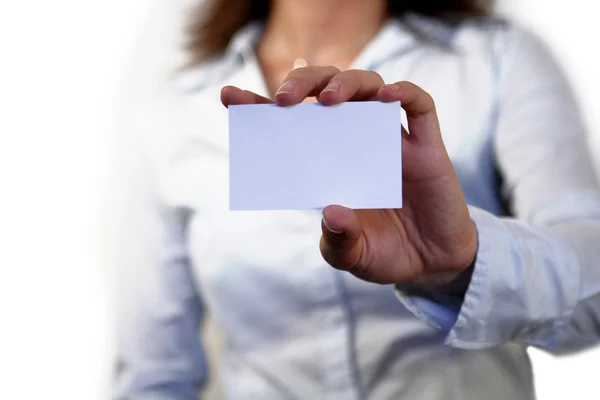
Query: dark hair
{"x": 214, "y": 22}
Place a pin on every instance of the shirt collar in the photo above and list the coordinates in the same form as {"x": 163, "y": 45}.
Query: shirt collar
{"x": 391, "y": 40}
{"x": 394, "y": 38}
{"x": 244, "y": 42}
{"x": 396, "y": 34}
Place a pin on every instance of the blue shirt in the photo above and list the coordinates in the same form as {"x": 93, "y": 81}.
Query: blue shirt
{"x": 293, "y": 327}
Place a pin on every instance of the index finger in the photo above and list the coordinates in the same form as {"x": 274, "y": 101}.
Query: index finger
{"x": 231, "y": 95}
{"x": 352, "y": 85}
{"x": 421, "y": 114}
{"x": 302, "y": 83}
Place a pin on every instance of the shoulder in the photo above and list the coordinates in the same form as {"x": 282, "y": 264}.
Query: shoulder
{"x": 151, "y": 115}
{"x": 491, "y": 40}
{"x": 208, "y": 73}
{"x": 498, "y": 45}
{"x": 499, "y": 38}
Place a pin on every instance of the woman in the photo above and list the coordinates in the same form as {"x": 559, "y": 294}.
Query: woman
{"x": 494, "y": 250}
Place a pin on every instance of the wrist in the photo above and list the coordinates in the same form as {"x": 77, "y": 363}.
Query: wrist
{"x": 458, "y": 286}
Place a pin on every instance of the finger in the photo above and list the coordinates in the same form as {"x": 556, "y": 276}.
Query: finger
{"x": 421, "y": 114}
{"x": 231, "y": 95}
{"x": 302, "y": 83}
{"x": 342, "y": 240}
{"x": 424, "y": 155}
{"x": 350, "y": 85}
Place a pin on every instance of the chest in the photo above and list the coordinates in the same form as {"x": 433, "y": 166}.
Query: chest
{"x": 281, "y": 247}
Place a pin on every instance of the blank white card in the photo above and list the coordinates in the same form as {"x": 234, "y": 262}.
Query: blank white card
{"x": 309, "y": 156}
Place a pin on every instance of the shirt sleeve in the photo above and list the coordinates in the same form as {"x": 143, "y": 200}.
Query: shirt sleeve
{"x": 159, "y": 312}
{"x": 536, "y": 277}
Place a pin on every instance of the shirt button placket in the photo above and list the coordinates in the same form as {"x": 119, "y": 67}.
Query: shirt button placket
{"x": 336, "y": 364}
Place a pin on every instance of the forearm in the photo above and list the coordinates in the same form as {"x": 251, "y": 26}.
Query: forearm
{"x": 530, "y": 283}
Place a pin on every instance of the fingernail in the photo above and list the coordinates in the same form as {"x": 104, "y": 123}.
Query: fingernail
{"x": 392, "y": 87}
{"x": 330, "y": 229}
{"x": 287, "y": 88}
{"x": 334, "y": 86}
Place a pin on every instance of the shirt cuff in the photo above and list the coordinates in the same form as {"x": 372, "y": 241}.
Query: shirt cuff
{"x": 512, "y": 295}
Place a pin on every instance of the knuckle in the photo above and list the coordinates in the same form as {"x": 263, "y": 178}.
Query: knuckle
{"x": 317, "y": 71}
{"x": 429, "y": 99}
{"x": 338, "y": 254}
{"x": 330, "y": 255}
{"x": 357, "y": 80}
{"x": 405, "y": 83}
{"x": 330, "y": 69}
{"x": 296, "y": 73}
{"x": 312, "y": 73}
{"x": 363, "y": 75}
{"x": 375, "y": 76}
{"x": 419, "y": 92}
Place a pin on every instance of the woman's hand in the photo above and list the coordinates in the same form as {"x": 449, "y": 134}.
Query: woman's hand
{"x": 432, "y": 239}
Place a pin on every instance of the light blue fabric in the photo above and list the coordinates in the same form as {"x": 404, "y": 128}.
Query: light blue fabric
{"x": 294, "y": 328}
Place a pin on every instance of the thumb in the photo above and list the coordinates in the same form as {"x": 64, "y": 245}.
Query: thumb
{"x": 342, "y": 240}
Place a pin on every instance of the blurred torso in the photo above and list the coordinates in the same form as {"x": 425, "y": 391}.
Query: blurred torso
{"x": 294, "y": 327}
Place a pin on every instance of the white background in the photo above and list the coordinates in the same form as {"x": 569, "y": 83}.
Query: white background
{"x": 62, "y": 66}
